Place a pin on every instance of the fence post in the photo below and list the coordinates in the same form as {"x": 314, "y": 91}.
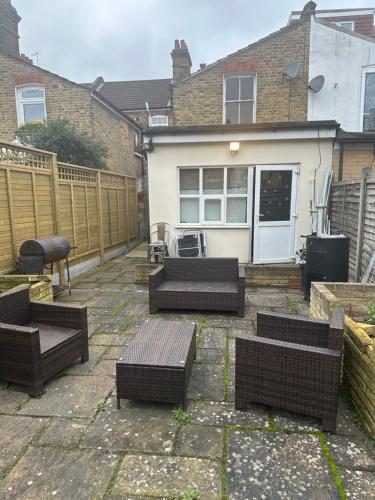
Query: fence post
{"x": 100, "y": 215}
{"x": 361, "y": 213}
{"x": 11, "y": 214}
{"x": 56, "y": 211}
{"x": 127, "y": 210}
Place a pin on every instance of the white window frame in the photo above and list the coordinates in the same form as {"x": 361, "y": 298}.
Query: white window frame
{"x": 367, "y": 69}
{"x": 253, "y": 100}
{"x": 223, "y": 197}
{"x": 165, "y": 117}
{"x": 340, "y": 24}
{"x": 20, "y": 101}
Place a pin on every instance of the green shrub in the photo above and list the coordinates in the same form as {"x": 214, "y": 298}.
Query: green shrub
{"x": 62, "y": 138}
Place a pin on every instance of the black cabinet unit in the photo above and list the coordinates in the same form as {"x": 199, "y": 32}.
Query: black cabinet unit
{"x": 327, "y": 259}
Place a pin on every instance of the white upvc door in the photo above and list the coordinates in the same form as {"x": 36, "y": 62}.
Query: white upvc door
{"x": 275, "y": 213}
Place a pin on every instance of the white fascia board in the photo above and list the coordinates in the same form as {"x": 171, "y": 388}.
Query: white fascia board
{"x": 259, "y": 135}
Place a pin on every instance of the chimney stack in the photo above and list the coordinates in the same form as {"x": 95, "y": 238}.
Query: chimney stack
{"x": 308, "y": 11}
{"x": 9, "y": 19}
{"x": 181, "y": 61}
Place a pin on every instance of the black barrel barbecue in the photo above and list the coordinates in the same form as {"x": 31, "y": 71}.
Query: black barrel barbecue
{"x": 35, "y": 255}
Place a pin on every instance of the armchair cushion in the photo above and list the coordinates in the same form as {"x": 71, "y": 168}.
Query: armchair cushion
{"x": 51, "y": 336}
{"x": 198, "y": 286}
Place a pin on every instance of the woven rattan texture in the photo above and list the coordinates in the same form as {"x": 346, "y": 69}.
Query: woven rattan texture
{"x": 60, "y": 329}
{"x": 298, "y": 372}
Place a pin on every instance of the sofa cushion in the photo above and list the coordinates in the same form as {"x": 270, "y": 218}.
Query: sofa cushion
{"x": 198, "y": 286}
{"x": 51, "y": 336}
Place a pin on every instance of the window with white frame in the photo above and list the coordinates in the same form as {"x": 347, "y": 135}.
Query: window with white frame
{"x": 159, "y": 121}
{"x": 239, "y": 97}
{"x": 369, "y": 99}
{"x": 31, "y": 104}
{"x": 347, "y": 25}
{"x": 214, "y": 195}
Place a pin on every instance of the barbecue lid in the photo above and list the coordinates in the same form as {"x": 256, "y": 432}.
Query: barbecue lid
{"x": 45, "y": 246}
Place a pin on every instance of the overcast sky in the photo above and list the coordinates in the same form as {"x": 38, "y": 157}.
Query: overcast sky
{"x": 132, "y": 39}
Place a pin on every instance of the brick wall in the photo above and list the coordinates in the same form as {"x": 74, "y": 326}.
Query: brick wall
{"x": 66, "y": 100}
{"x": 40, "y": 286}
{"x": 199, "y": 100}
{"x": 356, "y": 157}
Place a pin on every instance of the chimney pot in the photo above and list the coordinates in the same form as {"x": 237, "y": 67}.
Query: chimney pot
{"x": 181, "y": 61}
{"x": 202, "y": 65}
{"x": 308, "y": 11}
{"x": 9, "y": 19}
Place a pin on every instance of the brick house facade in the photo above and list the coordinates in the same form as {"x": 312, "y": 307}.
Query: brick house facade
{"x": 64, "y": 99}
{"x": 198, "y": 98}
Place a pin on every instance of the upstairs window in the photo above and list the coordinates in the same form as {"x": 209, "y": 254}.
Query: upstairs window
{"x": 31, "y": 104}
{"x": 347, "y": 25}
{"x": 369, "y": 100}
{"x": 159, "y": 121}
{"x": 239, "y": 95}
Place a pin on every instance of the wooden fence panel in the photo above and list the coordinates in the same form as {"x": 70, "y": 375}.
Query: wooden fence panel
{"x": 345, "y": 218}
{"x": 36, "y": 194}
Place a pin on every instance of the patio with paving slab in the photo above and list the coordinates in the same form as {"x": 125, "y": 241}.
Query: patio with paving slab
{"x": 73, "y": 443}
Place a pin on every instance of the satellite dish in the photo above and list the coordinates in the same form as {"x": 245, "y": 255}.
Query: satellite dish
{"x": 292, "y": 71}
{"x": 316, "y": 84}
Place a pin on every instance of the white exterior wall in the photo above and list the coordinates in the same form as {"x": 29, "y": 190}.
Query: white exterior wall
{"x": 163, "y": 165}
{"x": 340, "y": 57}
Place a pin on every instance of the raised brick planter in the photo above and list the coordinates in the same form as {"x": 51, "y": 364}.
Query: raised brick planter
{"x": 40, "y": 286}
{"x": 359, "y": 345}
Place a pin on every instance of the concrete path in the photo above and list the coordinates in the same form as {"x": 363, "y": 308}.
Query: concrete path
{"x": 72, "y": 443}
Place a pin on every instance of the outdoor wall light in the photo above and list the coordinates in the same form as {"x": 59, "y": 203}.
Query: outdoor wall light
{"x": 234, "y": 147}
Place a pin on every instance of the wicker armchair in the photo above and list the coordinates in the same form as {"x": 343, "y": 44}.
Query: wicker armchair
{"x": 293, "y": 363}
{"x": 38, "y": 339}
{"x": 216, "y": 284}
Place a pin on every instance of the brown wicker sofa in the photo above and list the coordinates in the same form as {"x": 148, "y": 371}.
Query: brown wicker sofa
{"x": 195, "y": 283}
{"x": 39, "y": 339}
{"x": 293, "y": 363}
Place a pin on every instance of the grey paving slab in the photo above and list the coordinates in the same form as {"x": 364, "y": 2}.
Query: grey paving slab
{"x": 231, "y": 384}
{"x": 114, "y": 353}
{"x": 213, "y": 413}
{"x": 211, "y": 356}
{"x": 248, "y": 331}
{"x": 11, "y": 401}
{"x": 70, "y": 396}
{"x": 293, "y": 421}
{"x": 136, "y": 309}
{"x": 352, "y": 453}
{"x": 200, "y": 441}
{"x": 64, "y": 432}
{"x": 168, "y": 477}
{"x": 15, "y": 434}
{"x": 53, "y": 473}
{"x": 207, "y": 382}
{"x": 78, "y": 295}
{"x": 105, "y": 367}
{"x": 136, "y": 426}
{"x": 273, "y": 465}
{"x": 358, "y": 485}
{"x": 79, "y": 368}
{"x": 103, "y": 339}
{"x": 213, "y": 338}
{"x": 348, "y": 421}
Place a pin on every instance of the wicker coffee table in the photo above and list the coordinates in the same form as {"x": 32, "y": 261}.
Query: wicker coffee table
{"x": 156, "y": 366}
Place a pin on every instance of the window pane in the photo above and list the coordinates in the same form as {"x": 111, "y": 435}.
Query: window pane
{"x": 246, "y": 112}
{"x": 212, "y": 210}
{"x": 231, "y": 115}
{"x": 237, "y": 180}
{"x": 189, "y": 181}
{"x": 34, "y": 112}
{"x": 247, "y": 88}
{"x": 275, "y": 194}
{"x": 33, "y": 94}
{"x": 237, "y": 210}
{"x": 232, "y": 89}
{"x": 189, "y": 210}
{"x": 347, "y": 26}
{"x": 213, "y": 180}
{"x": 369, "y": 107}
